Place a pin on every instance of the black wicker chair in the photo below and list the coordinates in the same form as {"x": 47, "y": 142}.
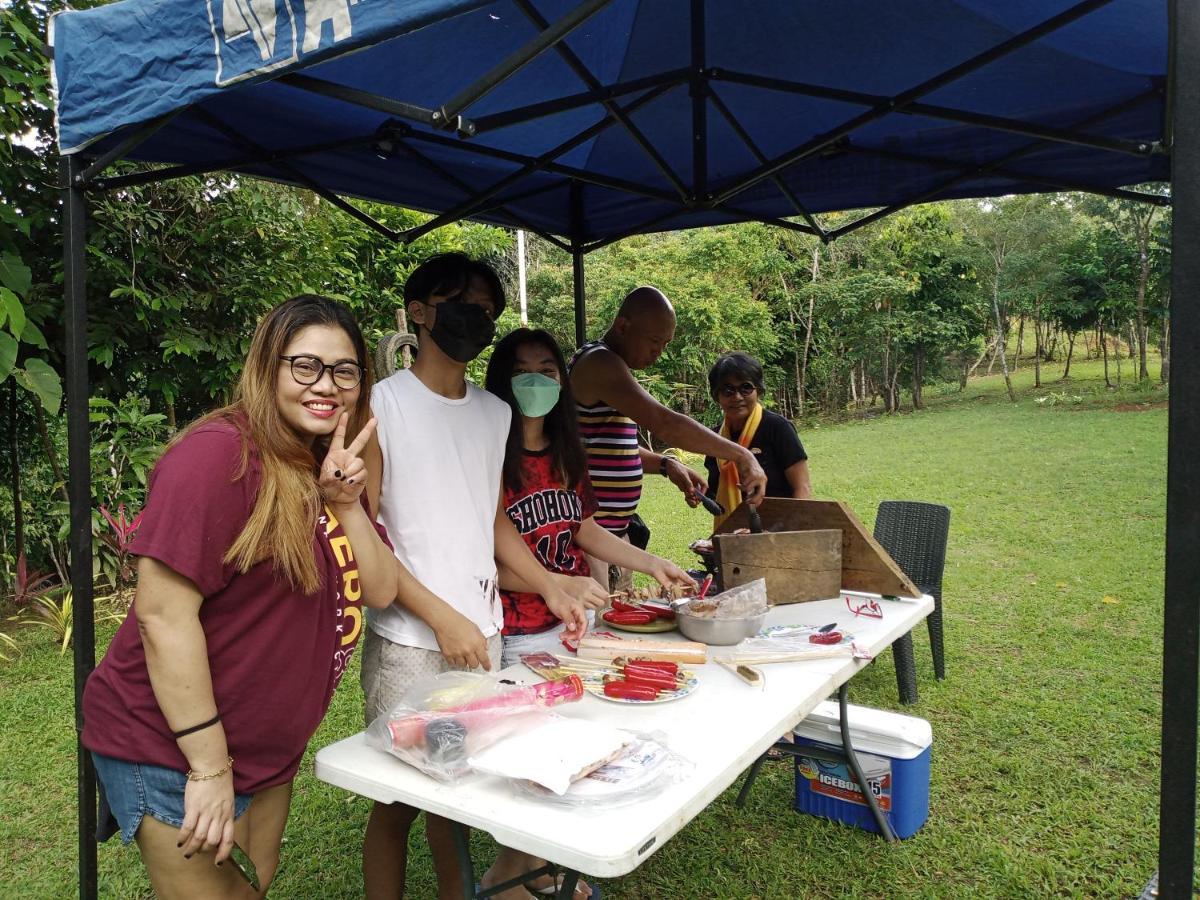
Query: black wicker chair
{"x": 915, "y": 535}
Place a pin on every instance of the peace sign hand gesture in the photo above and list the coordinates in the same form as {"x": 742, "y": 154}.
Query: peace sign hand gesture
{"x": 344, "y": 474}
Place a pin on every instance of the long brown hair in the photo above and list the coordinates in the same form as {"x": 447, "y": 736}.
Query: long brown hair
{"x": 288, "y": 502}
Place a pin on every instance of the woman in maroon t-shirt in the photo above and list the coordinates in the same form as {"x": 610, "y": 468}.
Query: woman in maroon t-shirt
{"x": 256, "y": 556}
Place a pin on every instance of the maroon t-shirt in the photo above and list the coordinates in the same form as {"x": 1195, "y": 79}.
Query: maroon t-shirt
{"x": 275, "y": 654}
{"x": 548, "y": 517}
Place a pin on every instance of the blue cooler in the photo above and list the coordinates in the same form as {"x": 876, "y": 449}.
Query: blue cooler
{"x": 893, "y": 752}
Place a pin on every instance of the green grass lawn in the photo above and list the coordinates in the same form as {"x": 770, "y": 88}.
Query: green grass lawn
{"x": 1045, "y": 756}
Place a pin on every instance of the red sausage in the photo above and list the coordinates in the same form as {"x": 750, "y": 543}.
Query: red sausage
{"x": 626, "y": 690}
{"x": 827, "y": 637}
{"x": 662, "y": 665}
{"x": 660, "y": 680}
{"x": 632, "y": 617}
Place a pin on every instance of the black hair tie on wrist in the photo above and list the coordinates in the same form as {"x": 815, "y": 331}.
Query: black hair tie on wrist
{"x": 211, "y": 722}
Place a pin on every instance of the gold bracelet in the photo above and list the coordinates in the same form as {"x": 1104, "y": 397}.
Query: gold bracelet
{"x": 208, "y": 776}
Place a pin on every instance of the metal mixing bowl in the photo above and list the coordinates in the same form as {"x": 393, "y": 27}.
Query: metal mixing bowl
{"x": 723, "y": 632}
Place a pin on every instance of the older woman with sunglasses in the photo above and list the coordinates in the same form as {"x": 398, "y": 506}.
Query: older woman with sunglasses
{"x": 736, "y": 383}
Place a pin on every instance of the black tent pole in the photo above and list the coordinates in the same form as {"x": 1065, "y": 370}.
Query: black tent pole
{"x": 577, "y": 251}
{"x": 1181, "y": 618}
{"x": 79, "y": 486}
{"x": 580, "y": 307}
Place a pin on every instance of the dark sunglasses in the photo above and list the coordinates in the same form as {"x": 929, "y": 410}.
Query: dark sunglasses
{"x": 745, "y": 389}
{"x": 309, "y": 370}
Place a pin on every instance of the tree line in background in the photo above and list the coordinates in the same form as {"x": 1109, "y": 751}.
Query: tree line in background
{"x": 179, "y": 273}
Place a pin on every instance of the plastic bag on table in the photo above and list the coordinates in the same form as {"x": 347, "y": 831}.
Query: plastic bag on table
{"x": 792, "y": 639}
{"x": 554, "y": 751}
{"x": 741, "y": 602}
{"x": 644, "y": 767}
{"x": 442, "y": 721}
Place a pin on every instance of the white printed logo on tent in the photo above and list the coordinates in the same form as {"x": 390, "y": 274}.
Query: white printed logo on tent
{"x": 251, "y": 37}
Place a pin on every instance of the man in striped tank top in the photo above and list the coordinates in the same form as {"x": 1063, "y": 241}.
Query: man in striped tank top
{"x": 612, "y": 406}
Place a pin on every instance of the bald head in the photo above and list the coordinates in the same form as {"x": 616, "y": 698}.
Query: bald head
{"x": 644, "y": 326}
{"x": 646, "y": 301}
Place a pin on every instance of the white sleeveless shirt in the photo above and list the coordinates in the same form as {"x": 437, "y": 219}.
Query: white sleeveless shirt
{"x": 442, "y": 465}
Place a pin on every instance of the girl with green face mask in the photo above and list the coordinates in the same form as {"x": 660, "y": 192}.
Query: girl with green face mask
{"x": 547, "y": 494}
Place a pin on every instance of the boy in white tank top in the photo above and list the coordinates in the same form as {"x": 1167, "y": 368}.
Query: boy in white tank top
{"x": 435, "y": 483}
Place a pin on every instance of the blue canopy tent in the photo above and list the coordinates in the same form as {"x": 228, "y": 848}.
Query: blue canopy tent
{"x": 586, "y": 122}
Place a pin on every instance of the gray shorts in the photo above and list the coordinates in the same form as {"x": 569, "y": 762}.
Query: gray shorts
{"x": 390, "y": 669}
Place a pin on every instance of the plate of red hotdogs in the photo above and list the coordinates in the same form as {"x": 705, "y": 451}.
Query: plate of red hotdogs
{"x": 643, "y": 618}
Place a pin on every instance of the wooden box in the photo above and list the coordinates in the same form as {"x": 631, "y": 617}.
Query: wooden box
{"x": 802, "y": 562}
{"x": 798, "y": 565}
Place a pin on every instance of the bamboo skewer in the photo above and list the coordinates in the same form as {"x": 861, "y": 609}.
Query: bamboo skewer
{"x": 762, "y": 658}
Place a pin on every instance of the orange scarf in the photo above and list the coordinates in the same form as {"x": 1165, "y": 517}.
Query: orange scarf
{"x": 729, "y": 491}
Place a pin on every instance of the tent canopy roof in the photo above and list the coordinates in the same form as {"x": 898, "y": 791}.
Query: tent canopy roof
{"x": 649, "y": 115}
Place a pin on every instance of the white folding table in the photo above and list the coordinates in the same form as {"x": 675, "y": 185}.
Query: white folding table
{"x": 722, "y": 727}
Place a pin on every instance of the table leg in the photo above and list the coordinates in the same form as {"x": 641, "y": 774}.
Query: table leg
{"x": 465, "y": 866}
{"x": 843, "y": 715}
{"x": 750, "y": 779}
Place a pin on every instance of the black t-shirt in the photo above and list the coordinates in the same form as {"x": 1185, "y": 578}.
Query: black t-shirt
{"x": 777, "y": 447}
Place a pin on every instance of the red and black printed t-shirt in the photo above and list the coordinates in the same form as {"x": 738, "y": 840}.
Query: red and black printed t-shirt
{"x": 275, "y": 654}
{"x": 548, "y": 517}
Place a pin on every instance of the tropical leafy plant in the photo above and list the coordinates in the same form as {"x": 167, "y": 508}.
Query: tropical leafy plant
{"x": 57, "y": 614}
{"x": 119, "y": 539}
{"x": 28, "y": 586}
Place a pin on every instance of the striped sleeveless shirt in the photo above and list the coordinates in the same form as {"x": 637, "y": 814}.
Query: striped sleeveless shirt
{"x": 614, "y": 463}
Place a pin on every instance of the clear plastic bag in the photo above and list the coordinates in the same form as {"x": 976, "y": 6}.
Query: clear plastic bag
{"x": 554, "y": 752}
{"x": 742, "y": 602}
{"x": 796, "y": 641}
{"x": 443, "y": 720}
{"x": 643, "y": 768}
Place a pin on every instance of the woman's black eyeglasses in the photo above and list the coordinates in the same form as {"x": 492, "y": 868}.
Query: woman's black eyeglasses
{"x": 745, "y": 389}
{"x": 309, "y": 370}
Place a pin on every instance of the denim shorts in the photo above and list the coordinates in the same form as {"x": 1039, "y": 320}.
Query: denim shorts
{"x": 129, "y": 791}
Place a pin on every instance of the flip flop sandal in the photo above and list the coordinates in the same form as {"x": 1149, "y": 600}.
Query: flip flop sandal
{"x": 551, "y": 889}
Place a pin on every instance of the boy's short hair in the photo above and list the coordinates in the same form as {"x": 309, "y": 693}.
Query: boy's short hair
{"x": 448, "y": 273}
{"x": 736, "y": 365}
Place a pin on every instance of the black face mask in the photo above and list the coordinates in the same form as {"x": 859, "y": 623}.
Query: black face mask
{"x": 462, "y": 329}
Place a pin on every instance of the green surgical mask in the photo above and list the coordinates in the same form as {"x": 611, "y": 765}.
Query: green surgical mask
{"x": 536, "y": 394}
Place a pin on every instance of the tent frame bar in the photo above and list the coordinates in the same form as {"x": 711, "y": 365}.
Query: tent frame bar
{"x": 448, "y": 116}
{"x": 530, "y": 165}
{"x": 156, "y": 176}
{"x": 945, "y": 113}
{"x": 622, "y": 116}
{"x": 1057, "y": 184}
{"x": 291, "y": 172}
{"x": 980, "y": 170}
{"x": 698, "y": 90}
{"x": 521, "y": 114}
{"x": 142, "y": 133}
{"x": 549, "y": 36}
{"x": 451, "y": 178}
{"x": 582, "y": 175}
{"x": 740, "y": 131}
{"x": 900, "y": 101}
{"x": 368, "y": 100}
